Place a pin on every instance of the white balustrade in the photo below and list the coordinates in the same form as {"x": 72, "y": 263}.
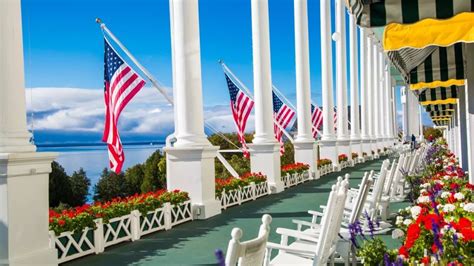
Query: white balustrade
{"x": 130, "y": 227}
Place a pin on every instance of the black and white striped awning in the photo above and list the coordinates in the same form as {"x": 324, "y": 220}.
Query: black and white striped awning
{"x": 431, "y": 67}
{"x": 378, "y": 13}
{"x": 440, "y": 107}
{"x": 441, "y": 95}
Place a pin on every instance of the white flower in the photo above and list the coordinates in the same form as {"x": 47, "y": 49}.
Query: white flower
{"x": 445, "y": 195}
{"x": 447, "y": 177}
{"x": 459, "y": 196}
{"x": 469, "y": 207}
{"x": 425, "y": 185}
{"x": 407, "y": 222}
{"x": 423, "y": 199}
{"x": 439, "y": 182}
{"x": 422, "y": 191}
{"x": 460, "y": 236}
{"x": 399, "y": 220}
{"x": 449, "y": 208}
{"x": 415, "y": 211}
{"x": 397, "y": 233}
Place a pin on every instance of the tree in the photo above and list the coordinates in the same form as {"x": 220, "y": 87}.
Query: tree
{"x": 79, "y": 188}
{"x": 59, "y": 185}
{"x": 289, "y": 156}
{"x": 155, "y": 172}
{"x": 134, "y": 177}
{"x": 109, "y": 186}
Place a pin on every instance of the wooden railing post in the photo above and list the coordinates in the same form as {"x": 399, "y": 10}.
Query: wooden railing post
{"x": 135, "y": 225}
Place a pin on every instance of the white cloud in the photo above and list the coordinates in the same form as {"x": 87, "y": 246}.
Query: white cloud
{"x": 77, "y": 109}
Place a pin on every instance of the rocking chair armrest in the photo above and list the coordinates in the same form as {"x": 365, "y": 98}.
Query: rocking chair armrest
{"x": 305, "y": 223}
{"x": 297, "y": 234}
{"x": 271, "y": 246}
{"x": 316, "y": 213}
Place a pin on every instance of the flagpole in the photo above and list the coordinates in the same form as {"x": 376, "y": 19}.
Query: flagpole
{"x": 150, "y": 77}
{"x": 243, "y": 87}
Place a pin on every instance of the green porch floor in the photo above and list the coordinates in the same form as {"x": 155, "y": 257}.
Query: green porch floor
{"x": 195, "y": 242}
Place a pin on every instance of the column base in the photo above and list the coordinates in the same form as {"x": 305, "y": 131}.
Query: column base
{"x": 24, "y": 204}
{"x": 356, "y": 147}
{"x": 46, "y": 257}
{"x": 306, "y": 152}
{"x": 328, "y": 149}
{"x": 344, "y": 147}
{"x": 191, "y": 169}
{"x": 366, "y": 148}
{"x": 265, "y": 158}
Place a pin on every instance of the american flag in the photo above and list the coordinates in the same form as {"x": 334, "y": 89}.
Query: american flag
{"x": 283, "y": 115}
{"x": 241, "y": 106}
{"x": 121, "y": 84}
{"x": 316, "y": 119}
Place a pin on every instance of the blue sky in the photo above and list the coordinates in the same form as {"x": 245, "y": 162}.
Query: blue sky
{"x": 64, "y": 59}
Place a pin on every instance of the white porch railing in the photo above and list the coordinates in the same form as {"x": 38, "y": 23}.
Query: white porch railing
{"x": 295, "y": 179}
{"x": 345, "y": 164}
{"x": 243, "y": 194}
{"x": 326, "y": 169}
{"x": 129, "y": 227}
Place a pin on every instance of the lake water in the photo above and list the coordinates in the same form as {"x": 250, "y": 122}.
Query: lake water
{"x": 93, "y": 159}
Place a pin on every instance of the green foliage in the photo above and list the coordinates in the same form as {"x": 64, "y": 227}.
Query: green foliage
{"x": 434, "y": 132}
{"x": 372, "y": 252}
{"x": 65, "y": 190}
{"x": 59, "y": 185}
{"x": 134, "y": 177}
{"x": 109, "y": 186}
{"x": 154, "y": 172}
{"x": 80, "y": 188}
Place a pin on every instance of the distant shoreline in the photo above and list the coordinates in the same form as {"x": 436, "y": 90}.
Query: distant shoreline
{"x": 95, "y": 144}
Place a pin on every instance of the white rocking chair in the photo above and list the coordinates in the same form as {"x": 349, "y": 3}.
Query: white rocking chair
{"x": 248, "y": 253}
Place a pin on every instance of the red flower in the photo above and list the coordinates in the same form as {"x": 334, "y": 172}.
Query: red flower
{"x": 425, "y": 260}
{"x": 403, "y": 251}
{"x": 61, "y": 222}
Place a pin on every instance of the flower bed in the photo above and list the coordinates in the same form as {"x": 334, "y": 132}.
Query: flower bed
{"x": 354, "y": 155}
{"x": 88, "y": 229}
{"x": 438, "y": 227}
{"x": 234, "y": 191}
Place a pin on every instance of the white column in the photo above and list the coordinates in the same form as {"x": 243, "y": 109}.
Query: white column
{"x": 190, "y": 163}
{"x": 364, "y": 92}
{"x": 461, "y": 106}
{"x": 328, "y": 144}
{"x": 394, "y": 114}
{"x": 376, "y": 91}
{"x": 470, "y": 109}
{"x": 370, "y": 91}
{"x": 264, "y": 152}
{"x": 380, "y": 89}
{"x": 24, "y": 237}
{"x": 354, "y": 67}
{"x": 343, "y": 140}
{"x": 387, "y": 122}
{"x": 305, "y": 145}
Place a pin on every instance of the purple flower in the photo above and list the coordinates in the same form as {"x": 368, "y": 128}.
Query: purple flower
{"x": 220, "y": 257}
